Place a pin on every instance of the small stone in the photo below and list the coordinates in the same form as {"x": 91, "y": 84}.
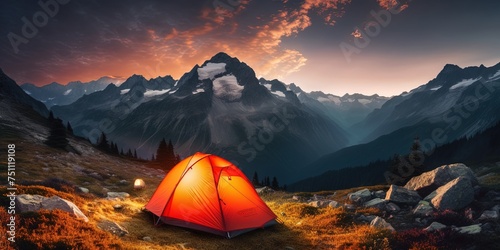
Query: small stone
{"x": 381, "y": 223}
{"x": 434, "y": 226}
{"x": 377, "y": 202}
{"x": 118, "y": 207}
{"x": 118, "y": 195}
{"x": 84, "y": 190}
{"x": 489, "y": 215}
{"x": 392, "y": 207}
{"x": 123, "y": 182}
{"x": 472, "y": 229}
{"x": 147, "y": 238}
{"x": 297, "y": 198}
{"x": 423, "y": 209}
{"x": 112, "y": 227}
{"x": 334, "y": 204}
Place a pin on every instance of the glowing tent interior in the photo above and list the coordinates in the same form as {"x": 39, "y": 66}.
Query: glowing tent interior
{"x": 208, "y": 193}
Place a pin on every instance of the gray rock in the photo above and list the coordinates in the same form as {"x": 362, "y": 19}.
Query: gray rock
{"x": 380, "y": 194}
{"x": 298, "y": 198}
{"x": 431, "y": 180}
{"x": 318, "y": 197}
{"x": 29, "y": 203}
{"x": 124, "y": 182}
{"x": 431, "y": 196}
{"x": 360, "y": 196}
{"x": 112, "y": 227}
{"x": 56, "y": 202}
{"x": 472, "y": 229}
{"x": 147, "y": 238}
{"x": 381, "y": 223}
{"x": 118, "y": 195}
{"x": 496, "y": 208}
{"x": 402, "y": 195}
{"x": 319, "y": 204}
{"x": 434, "y": 226}
{"x": 423, "y": 209}
{"x": 456, "y": 194}
{"x": 84, "y": 190}
{"x": 264, "y": 190}
{"x": 96, "y": 175}
{"x": 377, "y": 202}
{"x": 392, "y": 207}
{"x": 349, "y": 206}
{"x": 489, "y": 215}
{"x": 334, "y": 204}
{"x": 118, "y": 207}
{"x": 367, "y": 218}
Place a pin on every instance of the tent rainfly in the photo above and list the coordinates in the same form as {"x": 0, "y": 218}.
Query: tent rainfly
{"x": 208, "y": 193}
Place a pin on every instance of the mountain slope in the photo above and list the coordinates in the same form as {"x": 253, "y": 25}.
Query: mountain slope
{"x": 10, "y": 92}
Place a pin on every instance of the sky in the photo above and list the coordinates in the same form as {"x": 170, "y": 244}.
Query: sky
{"x": 336, "y": 46}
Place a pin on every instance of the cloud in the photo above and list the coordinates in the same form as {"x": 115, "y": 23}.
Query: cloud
{"x": 397, "y": 5}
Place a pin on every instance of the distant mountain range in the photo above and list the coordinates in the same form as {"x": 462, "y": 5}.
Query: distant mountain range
{"x": 457, "y": 103}
{"x": 58, "y": 94}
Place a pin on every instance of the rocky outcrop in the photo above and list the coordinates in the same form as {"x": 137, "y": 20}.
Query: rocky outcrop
{"x": 429, "y": 181}
{"x": 401, "y": 195}
{"x": 117, "y": 195}
{"x": 27, "y": 202}
{"x": 456, "y": 194}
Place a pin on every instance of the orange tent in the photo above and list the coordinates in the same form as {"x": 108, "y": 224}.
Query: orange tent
{"x": 208, "y": 193}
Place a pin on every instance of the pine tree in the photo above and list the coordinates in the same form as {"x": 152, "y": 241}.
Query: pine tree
{"x": 102, "y": 143}
{"x": 135, "y": 153}
{"x": 57, "y": 136}
{"x": 275, "y": 185}
{"x": 129, "y": 153}
{"x": 255, "y": 179}
{"x": 69, "y": 128}
{"x": 416, "y": 157}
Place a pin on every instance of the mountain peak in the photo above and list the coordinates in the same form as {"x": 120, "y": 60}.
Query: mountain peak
{"x": 222, "y": 57}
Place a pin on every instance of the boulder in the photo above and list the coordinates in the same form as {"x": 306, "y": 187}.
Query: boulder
{"x": 360, "y": 196}
{"x": 379, "y": 194}
{"x": 377, "y": 202}
{"x": 472, "y": 229}
{"x": 117, "y": 195}
{"x": 112, "y": 227}
{"x": 334, "y": 204}
{"x": 456, "y": 194}
{"x": 429, "y": 181}
{"x": 423, "y": 209}
{"x": 56, "y": 202}
{"x": 434, "y": 226}
{"x": 402, "y": 195}
{"x": 366, "y": 218}
{"x": 489, "y": 215}
{"x": 27, "y": 202}
{"x": 392, "y": 207}
{"x": 381, "y": 223}
{"x": 319, "y": 204}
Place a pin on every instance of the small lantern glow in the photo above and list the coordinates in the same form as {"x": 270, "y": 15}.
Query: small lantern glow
{"x": 139, "y": 184}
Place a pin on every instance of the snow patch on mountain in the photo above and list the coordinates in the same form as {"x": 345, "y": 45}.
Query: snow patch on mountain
{"x": 27, "y": 92}
{"x": 200, "y": 90}
{"x": 495, "y": 76}
{"x": 124, "y": 91}
{"x": 436, "y": 88}
{"x": 364, "y": 101}
{"x": 464, "y": 83}
{"x": 227, "y": 87}
{"x": 67, "y": 92}
{"x": 150, "y": 93}
{"x": 276, "y": 93}
{"x": 210, "y": 70}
